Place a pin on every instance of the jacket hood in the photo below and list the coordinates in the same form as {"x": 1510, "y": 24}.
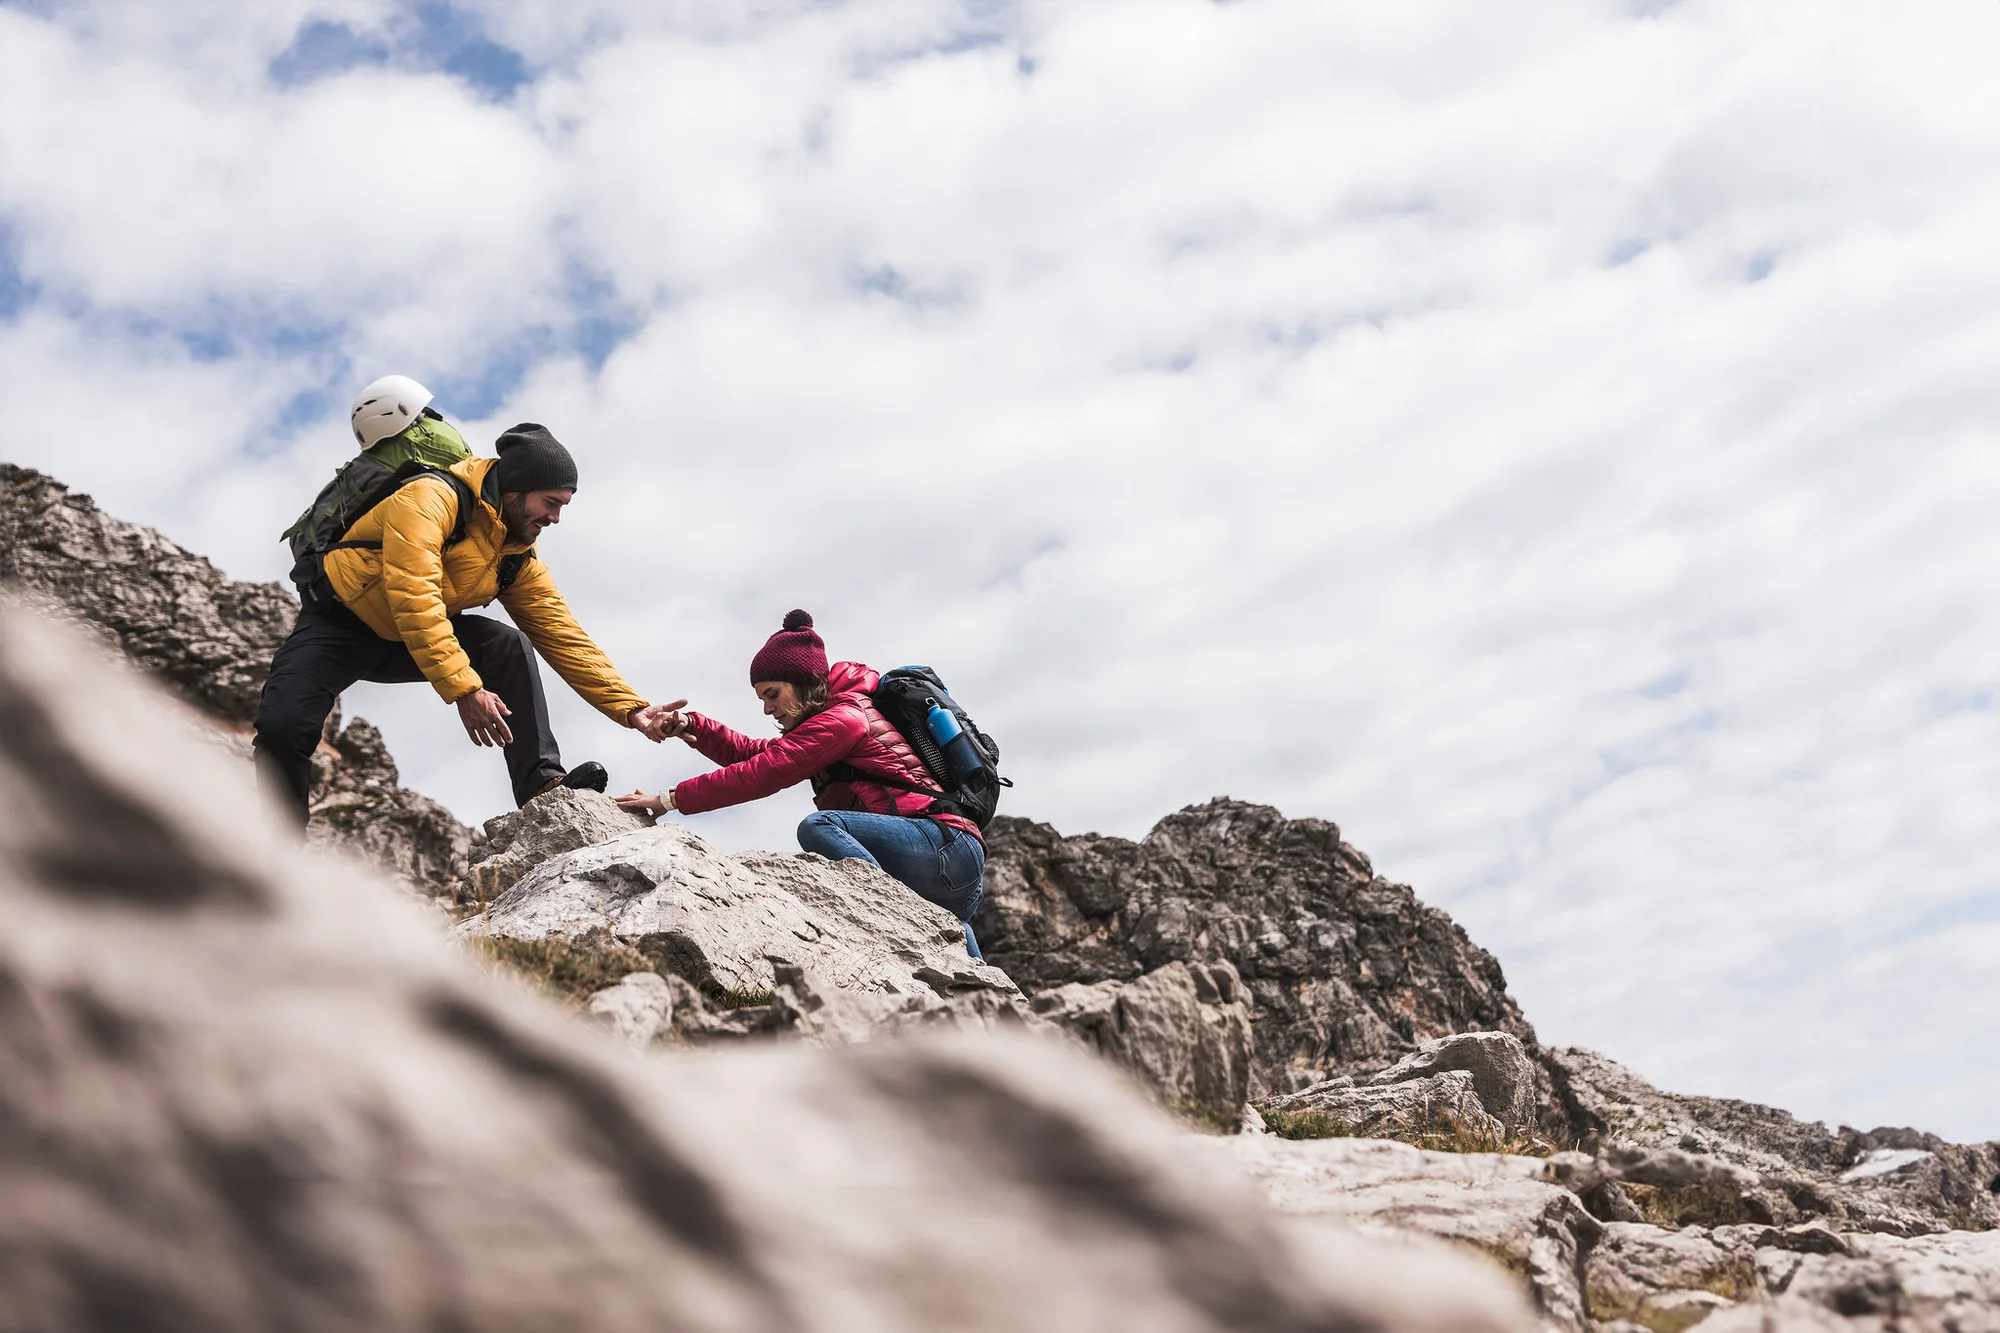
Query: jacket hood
{"x": 851, "y": 678}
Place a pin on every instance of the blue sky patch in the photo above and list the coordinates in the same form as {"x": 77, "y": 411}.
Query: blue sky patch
{"x": 603, "y": 322}
{"x": 227, "y": 330}
{"x": 1626, "y": 251}
{"x": 978, "y": 25}
{"x": 16, "y": 292}
{"x": 457, "y": 42}
{"x": 439, "y": 37}
{"x": 323, "y": 49}
{"x": 478, "y": 391}
{"x": 890, "y": 281}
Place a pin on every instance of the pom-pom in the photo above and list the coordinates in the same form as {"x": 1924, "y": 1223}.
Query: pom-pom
{"x": 798, "y": 620}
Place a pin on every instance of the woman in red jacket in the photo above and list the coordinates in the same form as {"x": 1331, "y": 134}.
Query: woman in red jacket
{"x": 826, "y": 718}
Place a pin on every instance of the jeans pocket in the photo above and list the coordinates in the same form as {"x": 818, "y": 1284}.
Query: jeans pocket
{"x": 960, "y": 875}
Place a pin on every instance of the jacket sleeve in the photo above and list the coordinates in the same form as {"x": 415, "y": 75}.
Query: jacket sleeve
{"x": 720, "y": 744}
{"x": 545, "y": 618}
{"x": 415, "y": 522}
{"x": 819, "y": 741}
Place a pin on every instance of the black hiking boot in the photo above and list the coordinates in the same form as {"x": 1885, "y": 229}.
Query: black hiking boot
{"x": 587, "y": 776}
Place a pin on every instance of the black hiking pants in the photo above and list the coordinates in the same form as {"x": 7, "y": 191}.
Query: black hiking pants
{"x": 331, "y": 650}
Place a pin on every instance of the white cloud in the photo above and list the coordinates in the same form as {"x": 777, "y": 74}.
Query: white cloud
{"x": 1554, "y": 442}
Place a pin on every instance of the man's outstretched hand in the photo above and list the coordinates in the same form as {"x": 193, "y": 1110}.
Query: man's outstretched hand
{"x": 485, "y": 718}
{"x": 656, "y": 722}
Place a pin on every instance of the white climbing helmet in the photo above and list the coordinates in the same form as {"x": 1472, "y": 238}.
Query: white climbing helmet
{"x": 387, "y": 407}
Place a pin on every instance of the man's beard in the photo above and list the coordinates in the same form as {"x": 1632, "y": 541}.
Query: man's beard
{"x": 514, "y": 513}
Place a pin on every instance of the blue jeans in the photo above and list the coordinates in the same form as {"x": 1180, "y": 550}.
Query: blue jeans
{"x": 944, "y": 865}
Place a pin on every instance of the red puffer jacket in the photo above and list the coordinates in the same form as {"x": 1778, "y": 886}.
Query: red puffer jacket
{"x": 848, "y": 729}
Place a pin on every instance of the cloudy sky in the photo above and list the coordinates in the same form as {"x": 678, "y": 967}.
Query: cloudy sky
{"x": 1555, "y": 441}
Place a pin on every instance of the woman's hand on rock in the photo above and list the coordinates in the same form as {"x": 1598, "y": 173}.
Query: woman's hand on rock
{"x": 656, "y": 804}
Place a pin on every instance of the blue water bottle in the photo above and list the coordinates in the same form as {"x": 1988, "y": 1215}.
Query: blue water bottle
{"x": 959, "y": 751}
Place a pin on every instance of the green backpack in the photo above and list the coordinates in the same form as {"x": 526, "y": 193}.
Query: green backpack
{"x": 427, "y": 448}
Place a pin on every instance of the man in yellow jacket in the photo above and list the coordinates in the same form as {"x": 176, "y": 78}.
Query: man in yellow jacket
{"x": 404, "y": 585}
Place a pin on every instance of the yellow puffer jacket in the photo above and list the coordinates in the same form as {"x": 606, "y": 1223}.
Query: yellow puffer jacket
{"x": 413, "y": 585}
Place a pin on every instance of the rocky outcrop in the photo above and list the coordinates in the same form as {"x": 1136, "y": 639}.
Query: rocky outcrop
{"x": 834, "y": 953}
{"x": 1892, "y": 1181}
{"x": 639, "y": 1007}
{"x": 1496, "y": 1206}
{"x": 552, "y": 824}
{"x": 720, "y": 921}
{"x": 209, "y": 640}
{"x": 1503, "y": 1076}
{"x": 1416, "y": 1111}
{"x": 1475, "y": 1086}
{"x": 1343, "y": 968}
{"x": 1184, "y": 1030}
{"x": 1587, "y": 1274}
{"x": 1930, "y": 1284}
{"x": 248, "y": 1089}
{"x": 360, "y": 807}
{"x": 166, "y": 610}
{"x": 808, "y": 1007}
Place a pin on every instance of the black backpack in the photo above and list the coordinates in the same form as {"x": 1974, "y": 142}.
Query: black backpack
{"x": 362, "y": 483}
{"x": 971, "y": 789}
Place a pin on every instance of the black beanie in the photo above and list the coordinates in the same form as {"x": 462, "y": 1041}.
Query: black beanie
{"x": 531, "y": 459}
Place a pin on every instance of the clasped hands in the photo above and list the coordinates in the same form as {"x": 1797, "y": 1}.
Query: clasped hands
{"x": 657, "y": 722}
{"x": 485, "y": 718}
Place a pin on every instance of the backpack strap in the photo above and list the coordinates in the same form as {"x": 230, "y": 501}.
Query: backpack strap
{"x": 462, "y": 492}
{"x": 512, "y": 565}
{"x": 309, "y": 573}
{"x": 846, "y": 772}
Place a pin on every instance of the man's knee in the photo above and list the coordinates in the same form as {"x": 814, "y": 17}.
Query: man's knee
{"x": 487, "y": 638}
{"x": 289, "y": 725}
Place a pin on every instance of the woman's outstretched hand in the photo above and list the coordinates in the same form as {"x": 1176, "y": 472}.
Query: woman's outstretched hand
{"x": 655, "y": 805}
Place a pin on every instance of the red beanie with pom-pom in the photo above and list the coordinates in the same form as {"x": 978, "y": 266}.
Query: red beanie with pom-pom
{"x": 794, "y": 653}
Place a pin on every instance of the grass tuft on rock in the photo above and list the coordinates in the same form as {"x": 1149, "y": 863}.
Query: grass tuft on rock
{"x": 737, "y": 999}
{"x": 567, "y": 971}
{"x": 1452, "y": 1134}
{"x": 1675, "y": 1207}
{"x": 1443, "y": 1133}
{"x": 1306, "y": 1125}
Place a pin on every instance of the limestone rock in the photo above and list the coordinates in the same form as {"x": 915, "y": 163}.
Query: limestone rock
{"x": 639, "y": 1007}
{"x": 247, "y": 1089}
{"x": 360, "y": 807}
{"x": 1342, "y": 967}
{"x": 168, "y": 611}
{"x": 1503, "y": 1074}
{"x": 1587, "y": 1275}
{"x": 1894, "y": 1181}
{"x": 1629, "y": 1183}
{"x": 718, "y": 920}
{"x": 1183, "y": 1030}
{"x": 553, "y": 823}
{"x": 1494, "y": 1205}
{"x": 209, "y": 640}
{"x": 822, "y": 1014}
{"x": 1667, "y": 1280}
{"x": 1442, "y": 1103}
{"x": 1946, "y": 1283}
